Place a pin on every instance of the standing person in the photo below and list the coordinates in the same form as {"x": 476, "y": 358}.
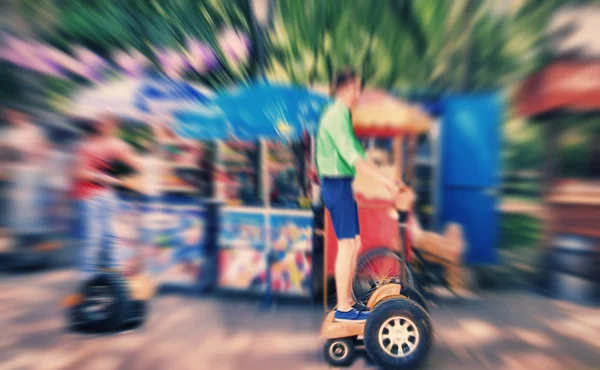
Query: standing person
{"x": 94, "y": 193}
{"x": 338, "y": 156}
{"x": 29, "y": 147}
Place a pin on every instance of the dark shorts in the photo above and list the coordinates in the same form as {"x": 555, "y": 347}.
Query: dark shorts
{"x": 339, "y": 200}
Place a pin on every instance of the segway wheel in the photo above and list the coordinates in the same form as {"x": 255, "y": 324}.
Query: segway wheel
{"x": 139, "y": 314}
{"x": 398, "y": 334}
{"x": 106, "y": 304}
{"x": 379, "y": 267}
{"x": 73, "y": 320}
{"x": 339, "y": 352}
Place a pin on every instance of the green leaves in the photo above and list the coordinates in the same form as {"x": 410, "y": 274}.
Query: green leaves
{"x": 440, "y": 45}
{"x": 403, "y": 44}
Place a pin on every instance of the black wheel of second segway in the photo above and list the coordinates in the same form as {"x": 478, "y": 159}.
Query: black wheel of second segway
{"x": 106, "y": 303}
{"x": 375, "y": 268}
{"x": 339, "y": 352}
{"x": 139, "y": 314}
{"x": 398, "y": 334}
{"x": 73, "y": 320}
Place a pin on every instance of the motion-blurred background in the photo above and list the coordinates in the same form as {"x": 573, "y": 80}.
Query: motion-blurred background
{"x": 493, "y": 116}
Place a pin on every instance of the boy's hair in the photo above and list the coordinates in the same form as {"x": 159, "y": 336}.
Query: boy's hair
{"x": 343, "y": 77}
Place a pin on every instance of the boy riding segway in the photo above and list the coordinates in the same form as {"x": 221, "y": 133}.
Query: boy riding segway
{"x": 338, "y": 156}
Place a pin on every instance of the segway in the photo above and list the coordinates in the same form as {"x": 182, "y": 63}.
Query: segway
{"x": 398, "y": 333}
{"x": 111, "y": 299}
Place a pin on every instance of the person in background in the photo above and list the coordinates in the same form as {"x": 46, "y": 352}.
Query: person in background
{"x": 339, "y": 155}
{"x": 28, "y": 147}
{"x": 94, "y": 193}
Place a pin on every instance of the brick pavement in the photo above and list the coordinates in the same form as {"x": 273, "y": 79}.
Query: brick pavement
{"x": 502, "y": 330}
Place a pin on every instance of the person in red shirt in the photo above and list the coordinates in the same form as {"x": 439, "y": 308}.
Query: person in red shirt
{"x": 94, "y": 191}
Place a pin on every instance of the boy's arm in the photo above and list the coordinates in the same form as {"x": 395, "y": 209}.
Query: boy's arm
{"x": 352, "y": 153}
{"x": 370, "y": 169}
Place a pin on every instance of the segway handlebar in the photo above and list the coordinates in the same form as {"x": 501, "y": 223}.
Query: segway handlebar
{"x": 403, "y": 202}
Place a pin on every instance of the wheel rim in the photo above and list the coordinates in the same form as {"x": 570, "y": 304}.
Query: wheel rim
{"x": 398, "y": 336}
{"x": 374, "y": 272}
{"x": 338, "y": 350}
{"x": 98, "y": 302}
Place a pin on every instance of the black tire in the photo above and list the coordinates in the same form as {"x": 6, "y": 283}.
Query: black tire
{"x": 415, "y": 296}
{"x": 339, "y": 352}
{"x": 139, "y": 314}
{"x": 363, "y": 287}
{"x": 416, "y": 329}
{"x": 73, "y": 318}
{"x": 113, "y": 314}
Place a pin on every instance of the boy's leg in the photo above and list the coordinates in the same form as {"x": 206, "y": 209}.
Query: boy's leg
{"x": 357, "y": 245}
{"x": 337, "y": 196}
{"x": 343, "y": 272}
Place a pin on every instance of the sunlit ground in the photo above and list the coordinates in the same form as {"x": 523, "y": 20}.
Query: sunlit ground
{"x": 500, "y": 330}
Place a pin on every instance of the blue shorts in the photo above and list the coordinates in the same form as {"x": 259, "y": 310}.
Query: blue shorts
{"x": 339, "y": 200}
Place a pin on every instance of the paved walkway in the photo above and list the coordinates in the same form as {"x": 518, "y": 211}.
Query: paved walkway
{"x": 502, "y": 330}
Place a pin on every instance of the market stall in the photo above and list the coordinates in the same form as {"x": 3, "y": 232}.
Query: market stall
{"x": 260, "y": 176}
{"x": 564, "y": 97}
{"x": 265, "y": 231}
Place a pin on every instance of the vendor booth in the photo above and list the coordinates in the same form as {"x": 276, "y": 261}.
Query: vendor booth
{"x": 564, "y": 96}
{"x": 269, "y": 240}
{"x": 264, "y": 230}
{"x": 260, "y": 177}
{"x": 236, "y": 208}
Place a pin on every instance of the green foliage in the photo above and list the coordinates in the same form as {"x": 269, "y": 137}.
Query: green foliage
{"x": 578, "y": 147}
{"x": 444, "y": 46}
{"x": 433, "y": 46}
{"x": 519, "y": 231}
{"x": 439, "y": 45}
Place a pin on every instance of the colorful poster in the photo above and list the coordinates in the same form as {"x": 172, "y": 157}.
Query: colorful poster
{"x": 291, "y": 232}
{"x": 178, "y": 236}
{"x": 242, "y": 261}
{"x": 126, "y": 231}
{"x": 242, "y": 230}
{"x": 291, "y": 238}
{"x": 242, "y": 269}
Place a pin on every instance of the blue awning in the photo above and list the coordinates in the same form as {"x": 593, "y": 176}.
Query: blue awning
{"x": 262, "y": 110}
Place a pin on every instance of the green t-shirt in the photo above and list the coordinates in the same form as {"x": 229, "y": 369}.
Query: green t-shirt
{"x": 337, "y": 147}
